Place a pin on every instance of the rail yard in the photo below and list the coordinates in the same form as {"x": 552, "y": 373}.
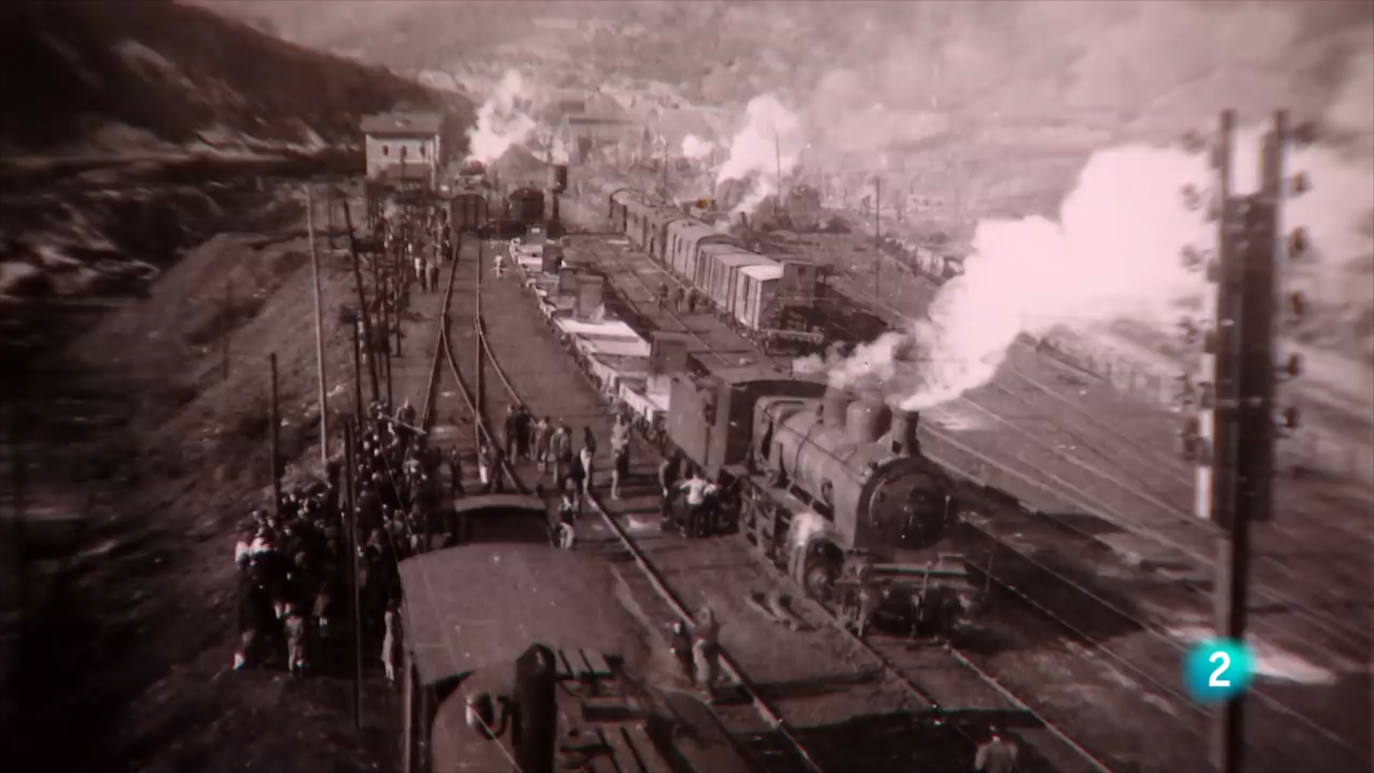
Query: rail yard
{"x": 546, "y": 428}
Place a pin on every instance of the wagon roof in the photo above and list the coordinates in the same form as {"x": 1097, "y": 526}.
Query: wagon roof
{"x": 481, "y": 604}
{"x": 763, "y": 271}
{"x": 745, "y": 259}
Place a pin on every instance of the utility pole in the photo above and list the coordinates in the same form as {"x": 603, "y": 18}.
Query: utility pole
{"x": 1248, "y": 407}
{"x": 368, "y": 336}
{"x": 777, "y": 161}
{"x": 351, "y": 524}
{"x": 357, "y": 375}
{"x": 1216, "y": 306}
{"x": 877, "y": 236}
{"x": 319, "y": 327}
{"x": 275, "y": 420}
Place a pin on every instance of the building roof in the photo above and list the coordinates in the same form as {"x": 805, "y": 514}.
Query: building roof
{"x": 483, "y": 603}
{"x": 402, "y": 124}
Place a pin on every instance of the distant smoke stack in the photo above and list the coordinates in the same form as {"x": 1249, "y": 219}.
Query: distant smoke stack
{"x": 902, "y": 435}
{"x": 866, "y": 420}
{"x": 833, "y": 407}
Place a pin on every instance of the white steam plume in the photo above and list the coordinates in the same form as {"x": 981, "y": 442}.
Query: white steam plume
{"x": 696, "y": 148}
{"x": 1115, "y": 253}
{"x": 771, "y": 139}
{"x": 500, "y": 120}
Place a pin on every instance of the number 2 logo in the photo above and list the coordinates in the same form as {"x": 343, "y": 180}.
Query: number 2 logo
{"x": 1215, "y": 679}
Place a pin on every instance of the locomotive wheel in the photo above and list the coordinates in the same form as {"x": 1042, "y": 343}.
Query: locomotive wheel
{"x": 820, "y": 579}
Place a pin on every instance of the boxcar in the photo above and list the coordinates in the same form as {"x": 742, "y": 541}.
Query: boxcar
{"x": 616, "y": 207}
{"x": 685, "y": 238}
{"x": 638, "y": 213}
{"x": 468, "y": 210}
{"x": 756, "y": 294}
{"x": 659, "y": 222}
{"x": 725, "y": 273}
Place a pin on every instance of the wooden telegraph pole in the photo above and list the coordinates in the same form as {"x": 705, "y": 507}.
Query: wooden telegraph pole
{"x": 1244, "y": 409}
{"x": 319, "y": 327}
{"x": 351, "y": 525}
{"x": 275, "y": 420}
{"x": 362, "y": 298}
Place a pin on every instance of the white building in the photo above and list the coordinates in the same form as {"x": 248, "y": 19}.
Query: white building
{"x": 403, "y": 147}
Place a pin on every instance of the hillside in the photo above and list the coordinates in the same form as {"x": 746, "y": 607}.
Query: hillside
{"x": 150, "y": 76}
{"x": 133, "y": 131}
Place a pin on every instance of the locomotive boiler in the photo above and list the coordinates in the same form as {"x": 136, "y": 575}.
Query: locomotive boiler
{"x": 857, "y": 463}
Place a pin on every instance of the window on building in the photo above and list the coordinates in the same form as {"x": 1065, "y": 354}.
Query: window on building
{"x": 386, "y": 150}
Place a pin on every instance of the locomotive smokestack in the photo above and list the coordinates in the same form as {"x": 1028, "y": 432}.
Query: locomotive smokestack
{"x": 902, "y": 436}
{"x": 833, "y": 407}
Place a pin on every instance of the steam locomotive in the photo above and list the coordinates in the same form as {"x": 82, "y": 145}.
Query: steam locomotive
{"x": 783, "y": 447}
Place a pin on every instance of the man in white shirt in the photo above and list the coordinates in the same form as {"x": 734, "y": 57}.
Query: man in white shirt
{"x": 697, "y": 489}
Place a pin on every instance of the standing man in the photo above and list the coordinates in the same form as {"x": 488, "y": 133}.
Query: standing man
{"x": 434, "y": 274}
{"x": 996, "y": 755}
{"x": 511, "y": 432}
{"x": 523, "y": 426}
{"x": 560, "y": 451}
{"x": 697, "y": 489}
{"x": 668, "y": 471}
{"x": 455, "y": 473}
{"x": 706, "y": 650}
{"x": 542, "y": 428}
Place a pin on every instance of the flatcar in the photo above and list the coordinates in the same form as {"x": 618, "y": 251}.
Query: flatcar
{"x": 518, "y": 656}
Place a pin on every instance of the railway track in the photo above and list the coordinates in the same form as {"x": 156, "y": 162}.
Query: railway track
{"x": 1155, "y": 665}
{"x": 892, "y": 673}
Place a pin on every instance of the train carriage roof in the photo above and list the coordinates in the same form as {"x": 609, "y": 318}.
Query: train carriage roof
{"x": 763, "y": 271}
{"x": 480, "y": 604}
{"x": 689, "y": 230}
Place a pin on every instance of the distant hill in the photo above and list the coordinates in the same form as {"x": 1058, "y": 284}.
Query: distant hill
{"x": 115, "y": 77}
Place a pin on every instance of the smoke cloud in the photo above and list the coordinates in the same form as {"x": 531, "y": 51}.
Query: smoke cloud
{"x": 1114, "y": 253}
{"x": 696, "y": 148}
{"x": 501, "y": 120}
{"x": 770, "y": 141}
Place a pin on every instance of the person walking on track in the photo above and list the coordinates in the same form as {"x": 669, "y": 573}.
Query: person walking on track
{"x": 434, "y": 274}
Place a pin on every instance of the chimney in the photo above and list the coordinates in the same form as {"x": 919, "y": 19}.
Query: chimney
{"x": 867, "y": 420}
{"x": 902, "y": 435}
{"x": 833, "y": 407}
